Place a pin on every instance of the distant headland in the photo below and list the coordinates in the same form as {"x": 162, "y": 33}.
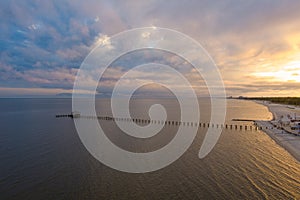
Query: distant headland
{"x": 281, "y": 100}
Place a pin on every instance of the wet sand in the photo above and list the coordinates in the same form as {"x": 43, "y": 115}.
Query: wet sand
{"x": 286, "y": 140}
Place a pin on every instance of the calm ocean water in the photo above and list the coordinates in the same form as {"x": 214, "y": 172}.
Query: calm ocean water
{"x": 42, "y": 158}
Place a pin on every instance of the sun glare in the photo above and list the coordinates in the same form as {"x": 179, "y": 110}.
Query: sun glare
{"x": 288, "y": 73}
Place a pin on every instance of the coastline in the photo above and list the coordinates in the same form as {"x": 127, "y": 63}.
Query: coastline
{"x": 289, "y": 142}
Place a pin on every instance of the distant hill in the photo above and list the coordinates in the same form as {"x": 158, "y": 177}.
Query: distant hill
{"x": 64, "y": 95}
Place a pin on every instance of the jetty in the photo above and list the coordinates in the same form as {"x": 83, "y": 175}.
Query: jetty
{"x": 254, "y": 126}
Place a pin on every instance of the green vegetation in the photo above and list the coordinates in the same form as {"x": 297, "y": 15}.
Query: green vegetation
{"x": 281, "y": 100}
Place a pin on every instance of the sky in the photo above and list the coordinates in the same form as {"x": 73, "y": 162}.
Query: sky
{"x": 255, "y": 44}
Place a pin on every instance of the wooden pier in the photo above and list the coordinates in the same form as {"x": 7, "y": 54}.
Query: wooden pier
{"x": 230, "y": 126}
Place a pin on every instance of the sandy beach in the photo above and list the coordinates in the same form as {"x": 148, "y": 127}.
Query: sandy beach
{"x": 286, "y": 140}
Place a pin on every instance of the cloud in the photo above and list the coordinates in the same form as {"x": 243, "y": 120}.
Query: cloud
{"x": 50, "y": 78}
{"x": 263, "y": 88}
{"x": 244, "y": 38}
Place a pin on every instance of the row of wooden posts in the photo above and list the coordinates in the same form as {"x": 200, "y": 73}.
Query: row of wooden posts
{"x": 174, "y": 123}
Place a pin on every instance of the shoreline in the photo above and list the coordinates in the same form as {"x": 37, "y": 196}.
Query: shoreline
{"x": 289, "y": 142}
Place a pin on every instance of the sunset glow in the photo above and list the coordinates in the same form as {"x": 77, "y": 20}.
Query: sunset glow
{"x": 288, "y": 73}
{"x": 252, "y": 43}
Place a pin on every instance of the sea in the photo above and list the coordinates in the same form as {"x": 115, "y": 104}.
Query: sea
{"x": 42, "y": 157}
